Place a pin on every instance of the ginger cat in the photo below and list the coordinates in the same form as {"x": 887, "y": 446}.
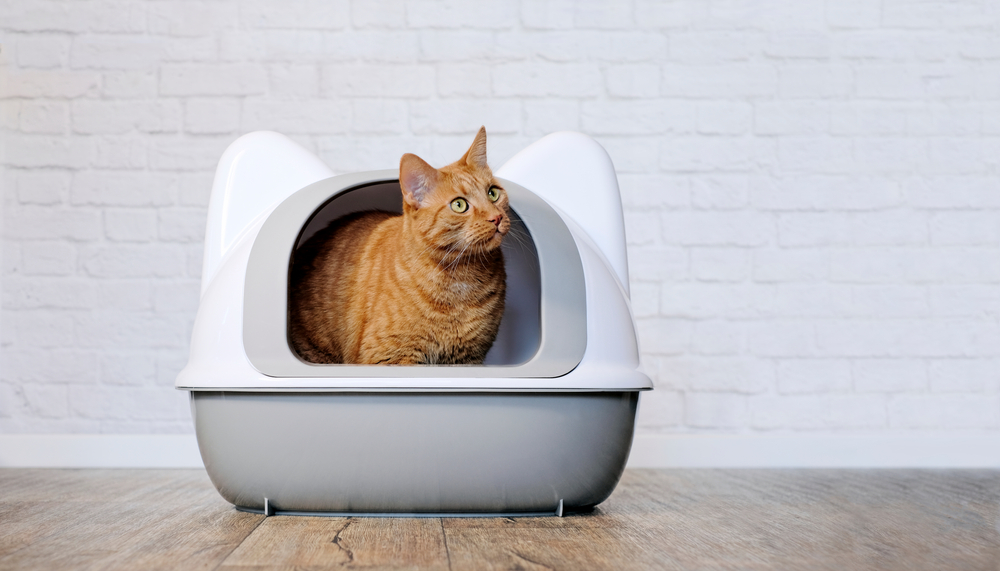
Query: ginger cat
{"x": 424, "y": 287}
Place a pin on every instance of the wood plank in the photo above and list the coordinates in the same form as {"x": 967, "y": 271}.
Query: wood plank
{"x": 316, "y": 543}
{"x": 120, "y": 520}
{"x": 663, "y": 519}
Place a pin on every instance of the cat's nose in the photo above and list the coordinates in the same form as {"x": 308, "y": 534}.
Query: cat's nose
{"x": 496, "y": 219}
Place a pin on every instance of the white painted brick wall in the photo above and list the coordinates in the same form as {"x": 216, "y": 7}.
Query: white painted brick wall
{"x": 812, "y": 188}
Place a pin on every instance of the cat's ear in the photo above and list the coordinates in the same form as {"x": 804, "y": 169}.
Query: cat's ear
{"x": 417, "y": 179}
{"x": 476, "y": 155}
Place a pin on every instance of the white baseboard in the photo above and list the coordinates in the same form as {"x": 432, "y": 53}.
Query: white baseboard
{"x": 930, "y": 450}
{"x": 99, "y": 451}
{"x": 926, "y": 450}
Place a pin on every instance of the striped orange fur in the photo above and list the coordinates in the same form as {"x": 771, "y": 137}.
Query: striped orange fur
{"x": 424, "y": 287}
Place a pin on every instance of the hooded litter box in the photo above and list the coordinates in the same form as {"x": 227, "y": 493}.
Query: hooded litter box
{"x": 545, "y": 424}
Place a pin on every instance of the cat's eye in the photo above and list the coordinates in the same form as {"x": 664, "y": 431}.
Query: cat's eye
{"x": 459, "y": 205}
{"x": 493, "y": 193}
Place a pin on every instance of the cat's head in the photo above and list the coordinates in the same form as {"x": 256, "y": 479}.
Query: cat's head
{"x": 460, "y": 207}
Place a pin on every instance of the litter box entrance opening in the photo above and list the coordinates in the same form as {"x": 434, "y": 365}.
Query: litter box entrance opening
{"x": 520, "y": 328}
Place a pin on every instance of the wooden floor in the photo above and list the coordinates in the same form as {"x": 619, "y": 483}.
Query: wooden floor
{"x": 656, "y": 519}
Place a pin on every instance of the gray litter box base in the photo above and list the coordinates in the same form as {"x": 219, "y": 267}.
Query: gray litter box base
{"x": 415, "y": 454}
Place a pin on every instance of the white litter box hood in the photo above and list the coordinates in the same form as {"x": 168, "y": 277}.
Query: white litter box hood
{"x": 563, "y": 191}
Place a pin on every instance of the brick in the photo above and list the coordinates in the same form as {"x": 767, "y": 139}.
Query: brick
{"x": 660, "y": 336}
{"x": 32, "y": 151}
{"x": 186, "y": 153}
{"x": 121, "y": 403}
{"x": 55, "y": 365}
{"x": 214, "y": 115}
{"x": 295, "y": 14}
{"x": 48, "y": 293}
{"x": 914, "y": 14}
{"x": 566, "y": 14}
{"x": 547, "y": 79}
{"x": 710, "y": 300}
{"x": 42, "y": 187}
{"x": 121, "y": 188}
{"x": 797, "y": 80}
{"x": 718, "y": 337}
{"x": 722, "y": 228}
{"x": 45, "y": 327}
{"x": 715, "y": 410}
{"x": 44, "y": 52}
{"x": 802, "y": 412}
{"x": 659, "y": 264}
{"x": 871, "y": 117}
{"x": 889, "y": 376}
{"x": 718, "y": 81}
{"x": 892, "y": 228}
{"x": 724, "y": 118}
{"x": 46, "y": 223}
{"x": 785, "y": 265}
{"x": 964, "y": 228}
{"x": 953, "y": 411}
{"x": 130, "y": 224}
{"x": 798, "y": 45}
{"x": 48, "y": 83}
{"x": 791, "y": 118}
{"x": 382, "y": 14}
{"x": 129, "y": 85}
{"x": 710, "y": 47}
{"x": 380, "y": 116}
{"x": 907, "y": 338}
{"x": 818, "y": 155}
{"x": 890, "y": 300}
{"x": 372, "y": 46}
{"x": 633, "y": 80}
{"x": 290, "y": 80}
{"x": 723, "y": 374}
{"x": 549, "y": 116}
{"x": 825, "y": 192}
{"x": 361, "y": 80}
{"x": 124, "y": 294}
{"x": 952, "y": 191}
{"x": 49, "y": 258}
{"x": 660, "y": 408}
{"x": 646, "y": 191}
{"x": 637, "y": 117}
{"x": 104, "y": 117}
{"x": 181, "y": 225}
{"x": 794, "y": 300}
{"x": 788, "y": 338}
{"x": 44, "y": 117}
{"x": 453, "y": 14}
{"x": 464, "y": 80}
{"x": 633, "y": 154}
{"x": 212, "y": 79}
{"x": 964, "y": 375}
{"x": 640, "y": 228}
{"x": 121, "y": 152}
{"x": 720, "y": 264}
{"x": 812, "y": 376}
{"x": 298, "y": 117}
{"x": 128, "y": 368}
{"x": 188, "y": 18}
{"x": 645, "y": 299}
{"x": 133, "y": 331}
{"x": 116, "y": 52}
{"x": 109, "y": 16}
{"x": 465, "y": 117}
{"x": 132, "y": 261}
{"x": 663, "y": 13}
{"x": 811, "y": 229}
{"x": 463, "y": 47}
{"x": 853, "y": 14}
{"x": 858, "y": 411}
{"x": 194, "y": 189}
{"x": 710, "y": 154}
